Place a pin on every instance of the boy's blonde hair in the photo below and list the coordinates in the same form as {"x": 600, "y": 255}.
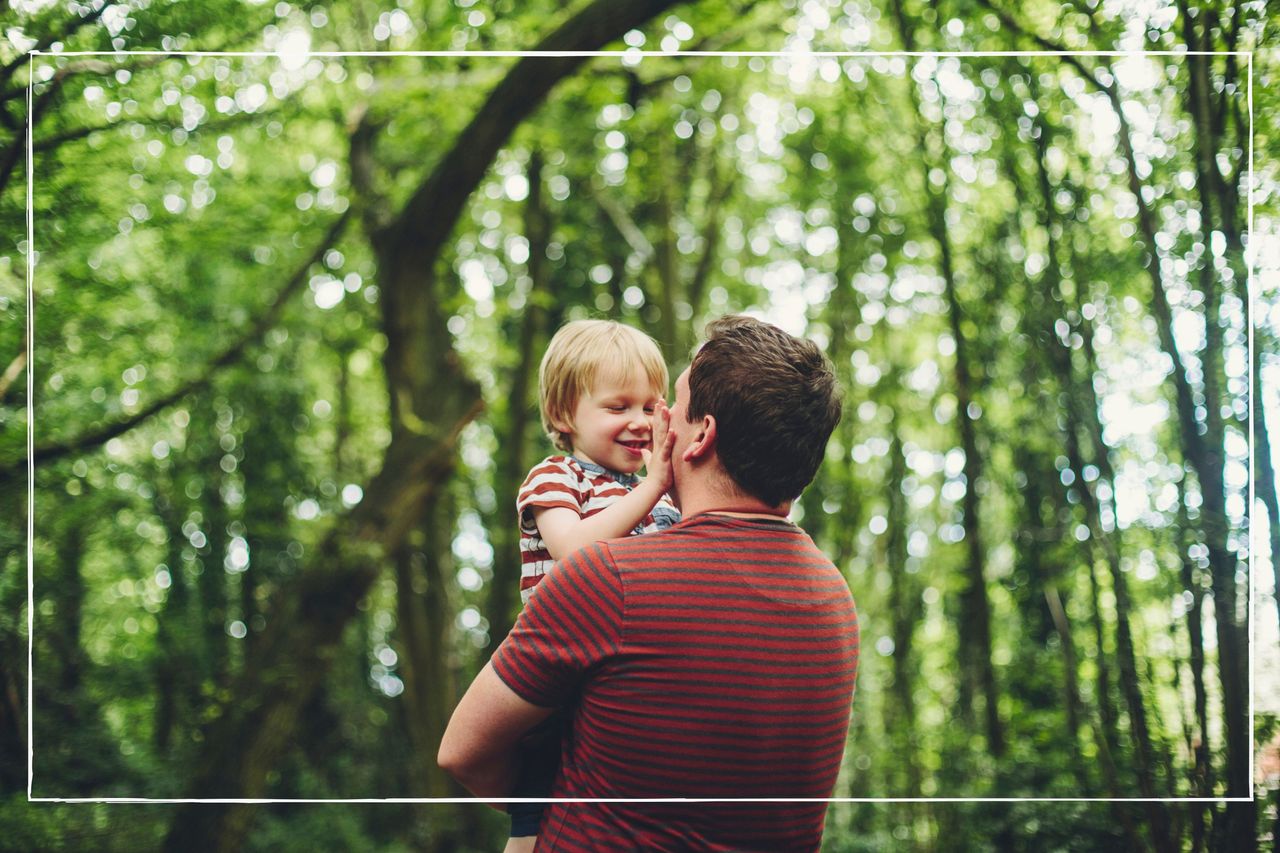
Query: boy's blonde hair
{"x": 579, "y": 355}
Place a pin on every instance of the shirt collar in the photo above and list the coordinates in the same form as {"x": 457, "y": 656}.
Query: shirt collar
{"x": 625, "y": 479}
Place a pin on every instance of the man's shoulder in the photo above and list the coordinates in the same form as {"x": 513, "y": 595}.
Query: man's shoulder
{"x": 709, "y": 539}
{"x": 591, "y": 567}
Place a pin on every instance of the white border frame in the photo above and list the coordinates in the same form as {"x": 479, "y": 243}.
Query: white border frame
{"x": 1249, "y": 252}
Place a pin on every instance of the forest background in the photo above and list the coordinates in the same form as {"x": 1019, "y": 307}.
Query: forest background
{"x": 288, "y": 312}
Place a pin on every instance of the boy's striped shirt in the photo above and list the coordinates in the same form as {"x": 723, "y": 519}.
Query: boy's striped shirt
{"x": 714, "y": 660}
{"x": 584, "y": 487}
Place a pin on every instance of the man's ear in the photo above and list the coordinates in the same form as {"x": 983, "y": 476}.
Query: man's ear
{"x": 703, "y": 442}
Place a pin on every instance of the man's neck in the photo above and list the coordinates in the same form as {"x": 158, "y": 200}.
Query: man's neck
{"x": 708, "y": 488}
{"x": 733, "y": 505}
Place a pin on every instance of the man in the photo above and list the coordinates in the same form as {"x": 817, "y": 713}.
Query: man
{"x": 713, "y": 660}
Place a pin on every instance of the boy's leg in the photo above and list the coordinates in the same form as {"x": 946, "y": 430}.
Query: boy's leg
{"x": 540, "y": 758}
{"x": 520, "y": 844}
{"x": 525, "y": 818}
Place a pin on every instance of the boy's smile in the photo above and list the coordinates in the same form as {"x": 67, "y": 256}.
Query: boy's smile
{"x": 611, "y": 425}
{"x": 636, "y": 447}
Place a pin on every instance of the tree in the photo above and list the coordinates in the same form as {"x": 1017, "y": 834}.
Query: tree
{"x": 420, "y": 365}
{"x": 276, "y": 446}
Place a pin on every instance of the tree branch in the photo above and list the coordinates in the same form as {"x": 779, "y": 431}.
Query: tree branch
{"x": 99, "y": 67}
{"x": 721, "y": 188}
{"x": 249, "y": 32}
{"x": 99, "y": 436}
{"x": 71, "y": 29}
{"x": 13, "y": 155}
{"x": 14, "y": 370}
{"x": 52, "y": 143}
{"x": 375, "y": 209}
{"x": 641, "y": 249}
{"x": 427, "y": 220}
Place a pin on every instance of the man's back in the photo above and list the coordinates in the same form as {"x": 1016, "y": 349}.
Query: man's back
{"x": 715, "y": 660}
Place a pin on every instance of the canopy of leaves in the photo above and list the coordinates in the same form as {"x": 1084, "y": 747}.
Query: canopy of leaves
{"x": 1046, "y": 282}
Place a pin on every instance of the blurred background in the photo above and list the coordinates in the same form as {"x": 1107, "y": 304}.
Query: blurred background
{"x": 288, "y": 315}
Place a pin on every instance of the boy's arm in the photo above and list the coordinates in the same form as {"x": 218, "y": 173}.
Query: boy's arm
{"x": 564, "y": 531}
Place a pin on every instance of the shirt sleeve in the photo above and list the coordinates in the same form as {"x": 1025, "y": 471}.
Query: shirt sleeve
{"x": 552, "y": 482}
{"x": 571, "y": 625}
{"x": 664, "y": 515}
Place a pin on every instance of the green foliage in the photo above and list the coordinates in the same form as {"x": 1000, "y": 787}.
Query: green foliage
{"x": 176, "y": 197}
{"x": 87, "y": 826}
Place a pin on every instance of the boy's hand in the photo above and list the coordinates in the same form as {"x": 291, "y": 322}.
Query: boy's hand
{"x": 657, "y": 462}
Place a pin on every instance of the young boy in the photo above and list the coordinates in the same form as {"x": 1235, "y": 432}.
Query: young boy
{"x": 601, "y": 386}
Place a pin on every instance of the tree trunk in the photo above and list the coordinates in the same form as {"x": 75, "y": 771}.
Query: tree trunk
{"x": 423, "y": 574}
{"x": 1046, "y": 364}
{"x": 13, "y": 718}
{"x": 308, "y": 616}
{"x": 210, "y": 586}
{"x": 521, "y": 409}
{"x": 1082, "y": 418}
{"x": 67, "y": 587}
{"x": 1264, "y": 478}
{"x": 666, "y": 259}
{"x": 1109, "y": 544}
{"x": 175, "y": 688}
{"x": 431, "y": 400}
{"x": 268, "y": 465}
{"x": 977, "y": 676}
{"x": 904, "y": 609}
{"x": 1070, "y": 683}
{"x": 1204, "y": 452}
{"x": 1106, "y": 736}
{"x": 1206, "y": 456}
{"x": 844, "y": 311}
{"x": 721, "y": 187}
{"x": 1264, "y": 474}
{"x": 1109, "y": 540}
{"x": 1105, "y": 544}
{"x": 1202, "y": 774}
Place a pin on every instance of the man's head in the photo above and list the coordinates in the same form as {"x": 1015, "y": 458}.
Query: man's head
{"x": 598, "y": 384}
{"x": 768, "y": 399}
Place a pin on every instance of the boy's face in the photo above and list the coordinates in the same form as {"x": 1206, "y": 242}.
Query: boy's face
{"x": 612, "y": 424}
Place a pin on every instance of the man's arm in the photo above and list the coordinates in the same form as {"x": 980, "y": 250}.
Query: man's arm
{"x": 478, "y": 747}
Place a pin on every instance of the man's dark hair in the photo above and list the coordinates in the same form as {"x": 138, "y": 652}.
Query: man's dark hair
{"x": 775, "y": 400}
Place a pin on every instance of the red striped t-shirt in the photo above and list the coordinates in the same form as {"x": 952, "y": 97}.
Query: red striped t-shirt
{"x": 713, "y": 660}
